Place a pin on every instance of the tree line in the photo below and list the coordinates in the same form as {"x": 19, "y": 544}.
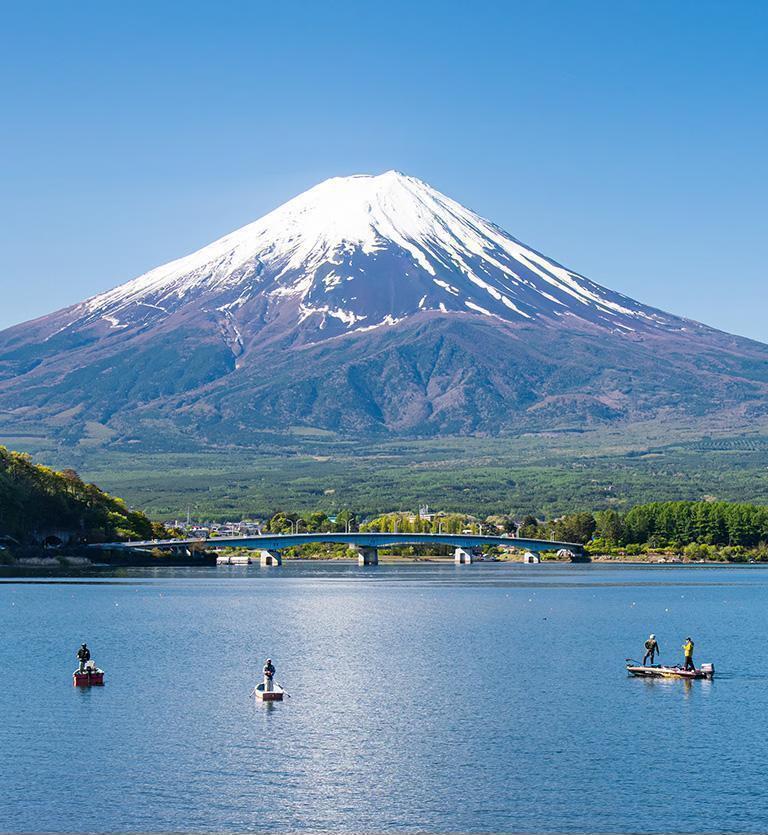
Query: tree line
{"x": 677, "y": 524}
{"x": 35, "y": 499}
{"x": 660, "y": 525}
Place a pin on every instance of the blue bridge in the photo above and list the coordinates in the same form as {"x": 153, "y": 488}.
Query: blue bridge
{"x": 365, "y": 545}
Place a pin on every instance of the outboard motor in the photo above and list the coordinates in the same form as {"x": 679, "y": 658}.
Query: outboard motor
{"x": 708, "y": 670}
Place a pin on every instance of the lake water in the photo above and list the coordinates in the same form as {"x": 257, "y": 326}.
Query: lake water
{"x": 424, "y": 697}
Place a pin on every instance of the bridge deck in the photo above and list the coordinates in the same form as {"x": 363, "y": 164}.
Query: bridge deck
{"x": 365, "y": 539}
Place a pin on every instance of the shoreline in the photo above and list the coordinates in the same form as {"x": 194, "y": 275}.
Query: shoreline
{"x": 53, "y": 568}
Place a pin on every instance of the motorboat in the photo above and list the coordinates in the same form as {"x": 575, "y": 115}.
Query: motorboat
{"x": 706, "y": 671}
{"x": 90, "y": 676}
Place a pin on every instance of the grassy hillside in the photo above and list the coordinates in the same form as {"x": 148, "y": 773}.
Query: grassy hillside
{"x": 545, "y": 474}
{"x": 35, "y": 499}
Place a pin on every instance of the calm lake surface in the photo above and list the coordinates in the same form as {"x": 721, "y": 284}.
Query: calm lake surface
{"x": 424, "y": 697}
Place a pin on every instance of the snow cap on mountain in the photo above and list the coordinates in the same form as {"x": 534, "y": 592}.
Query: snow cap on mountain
{"x": 365, "y": 251}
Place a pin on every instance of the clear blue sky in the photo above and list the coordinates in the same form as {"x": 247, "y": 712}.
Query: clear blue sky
{"x": 625, "y": 139}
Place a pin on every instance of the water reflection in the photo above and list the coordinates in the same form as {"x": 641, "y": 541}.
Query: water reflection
{"x": 484, "y": 698}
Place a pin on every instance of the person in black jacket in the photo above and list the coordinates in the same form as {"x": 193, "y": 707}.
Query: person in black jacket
{"x": 83, "y": 656}
{"x": 269, "y": 675}
{"x": 651, "y": 649}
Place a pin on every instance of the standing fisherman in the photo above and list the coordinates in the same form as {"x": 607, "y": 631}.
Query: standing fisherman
{"x": 269, "y": 675}
{"x": 688, "y": 650}
{"x": 83, "y": 656}
{"x": 651, "y": 649}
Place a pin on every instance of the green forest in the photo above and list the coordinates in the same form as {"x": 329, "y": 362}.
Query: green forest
{"x": 698, "y": 530}
{"x": 545, "y": 475}
{"x": 34, "y": 498}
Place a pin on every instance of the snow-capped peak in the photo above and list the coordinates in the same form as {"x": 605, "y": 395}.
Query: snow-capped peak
{"x": 354, "y": 252}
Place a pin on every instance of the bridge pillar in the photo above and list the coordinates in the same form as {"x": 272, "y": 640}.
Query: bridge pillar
{"x": 366, "y": 554}
{"x": 270, "y": 558}
{"x": 464, "y": 556}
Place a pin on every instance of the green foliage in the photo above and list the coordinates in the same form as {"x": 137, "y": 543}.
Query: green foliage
{"x": 315, "y": 521}
{"x": 609, "y": 526}
{"x": 539, "y": 475}
{"x": 34, "y": 498}
{"x": 683, "y": 523}
{"x": 530, "y": 529}
{"x": 574, "y": 527}
{"x": 699, "y": 531}
{"x": 411, "y": 523}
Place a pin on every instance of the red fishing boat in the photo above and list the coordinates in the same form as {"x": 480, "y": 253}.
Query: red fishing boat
{"x": 90, "y": 676}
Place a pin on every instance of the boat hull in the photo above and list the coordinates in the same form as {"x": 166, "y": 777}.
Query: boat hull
{"x": 89, "y": 678}
{"x": 275, "y": 695}
{"x": 706, "y": 671}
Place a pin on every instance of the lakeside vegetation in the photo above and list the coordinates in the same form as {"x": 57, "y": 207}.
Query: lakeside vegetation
{"x": 37, "y": 502}
{"x": 727, "y": 531}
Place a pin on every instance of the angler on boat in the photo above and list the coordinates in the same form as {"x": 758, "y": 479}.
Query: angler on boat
{"x": 83, "y": 656}
{"x": 652, "y": 649}
{"x": 87, "y": 673}
{"x": 269, "y": 690}
{"x": 687, "y": 670}
{"x": 269, "y": 676}
{"x": 688, "y": 650}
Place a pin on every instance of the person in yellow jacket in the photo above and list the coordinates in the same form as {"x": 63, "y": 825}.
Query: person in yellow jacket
{"x": 688, "y": 650}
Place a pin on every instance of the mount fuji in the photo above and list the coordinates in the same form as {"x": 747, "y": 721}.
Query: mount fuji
{"x": 368, "y": 304}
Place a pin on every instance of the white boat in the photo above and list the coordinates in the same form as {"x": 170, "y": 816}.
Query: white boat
{"x": 274, "y": 695}
{"x": 706, "y": 671}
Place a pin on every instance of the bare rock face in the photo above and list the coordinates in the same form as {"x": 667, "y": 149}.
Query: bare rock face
{"x": 367, "y": 305}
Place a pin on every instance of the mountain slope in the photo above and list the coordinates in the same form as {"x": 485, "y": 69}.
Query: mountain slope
{"x": 367, "y": 304}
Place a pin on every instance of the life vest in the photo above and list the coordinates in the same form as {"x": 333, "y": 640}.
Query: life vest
{"x": 688, "y": 649}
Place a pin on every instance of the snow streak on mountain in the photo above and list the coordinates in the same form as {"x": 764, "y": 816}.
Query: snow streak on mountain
{"x": 361, "y": 252}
